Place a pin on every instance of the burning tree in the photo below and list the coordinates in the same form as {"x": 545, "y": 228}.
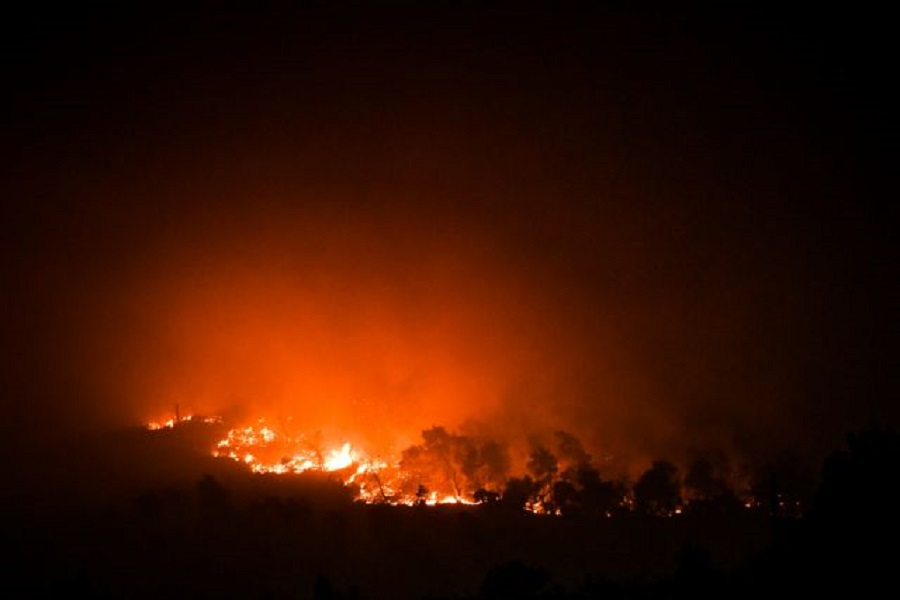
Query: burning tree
{"x": 445, "y": 467}
{"x": 564, "y": 483}
{"x": 543, "y": 467}
{"x": 455, "y": 466}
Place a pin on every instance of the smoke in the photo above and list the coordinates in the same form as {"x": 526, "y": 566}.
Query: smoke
{"x": 369, "y": 241}
{"x": 373, "y": 321}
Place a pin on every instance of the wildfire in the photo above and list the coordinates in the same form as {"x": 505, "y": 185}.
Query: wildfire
{"x": 167, "y": 424}
{"x": 173, "y": 421}
{"x": 339, "y": 459}
{"x": 266, "y": 451}
{"x": 445, "y": 468}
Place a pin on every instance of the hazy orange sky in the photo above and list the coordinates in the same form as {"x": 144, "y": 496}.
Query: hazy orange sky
{"x": 658, "y": 233}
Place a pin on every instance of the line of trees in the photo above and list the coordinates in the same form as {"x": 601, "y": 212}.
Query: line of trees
{"x": 560, "y": 478}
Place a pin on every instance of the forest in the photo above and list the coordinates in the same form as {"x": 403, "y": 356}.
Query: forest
{"x": 213, "y": 528}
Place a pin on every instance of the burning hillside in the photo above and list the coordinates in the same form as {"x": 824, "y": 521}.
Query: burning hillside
{"x": 559, "y": 477}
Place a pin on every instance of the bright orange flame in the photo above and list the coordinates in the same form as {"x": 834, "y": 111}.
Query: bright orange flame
{"x": 171, "y": 422}
{"x": 339, "y": 459}
{"x": 167, "y": 424}
{"x": 376, "y": 480}
{"x": 265, "y": 451}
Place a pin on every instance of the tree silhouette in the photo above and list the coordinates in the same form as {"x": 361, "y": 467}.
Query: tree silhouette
{"x": 708, "y": 491}
{"x": 519, "y": 490}
{"x": 493, "y": 465}
{"x": 456, "y": 465}
{"x": 572, "y": 454}
{"x": 853, "y": 524}
{"x": 543, "y": 466}
{"x": 421, "y": 495}
{"x": 598, "y": 497}
{"x": 657, "y": 490}
{"x": 859, "y": 483}
{"x": 701, "y": 482}
{"x": 432, "y": 462}
{"x": 566, "y": 497}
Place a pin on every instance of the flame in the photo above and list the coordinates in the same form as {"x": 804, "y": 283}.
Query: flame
{"x": 264, "y": 450}
{"x": 339, "y": 459}
{"x": 374, "y": 480}
{"x": 171, "y": 422}
{"x": 167, "y": 424}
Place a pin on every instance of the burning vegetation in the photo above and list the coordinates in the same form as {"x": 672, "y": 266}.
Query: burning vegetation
{"x": 558, "y": 476}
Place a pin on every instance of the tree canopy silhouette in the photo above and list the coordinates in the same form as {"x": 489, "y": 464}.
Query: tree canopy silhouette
{"x": 657, "y": 492}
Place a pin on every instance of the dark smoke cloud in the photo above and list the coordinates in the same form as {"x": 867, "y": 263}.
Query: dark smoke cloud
{"x": 520, "y": 225}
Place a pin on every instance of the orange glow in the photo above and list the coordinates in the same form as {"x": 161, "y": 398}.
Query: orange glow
{"x": 339, "y": 459}
{"x": 173, "y": 421}
{"x": 371, "y": 334}
{"x": 167, "y": 424}
{"x": 443, "y": 468}
{"x": 265, "y": 451}
{"x": 375, "y": 480}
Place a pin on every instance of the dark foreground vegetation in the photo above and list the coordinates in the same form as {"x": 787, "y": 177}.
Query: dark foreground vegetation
{"x": 220, "y": 532}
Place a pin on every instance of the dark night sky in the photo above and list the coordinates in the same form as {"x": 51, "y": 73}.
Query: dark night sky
{"x": 662, "y": 229}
